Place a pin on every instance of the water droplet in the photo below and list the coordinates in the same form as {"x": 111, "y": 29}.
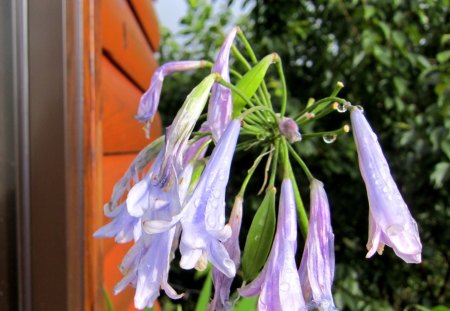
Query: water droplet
{"x": 385, "y": 189}
{"x": 197, "y": 202}
{"x": 212, "y": 221}
{"x": 394, "y": 229}
{"x": 328, "y": 139}
{"x": 360, "y": 108}
{"x": 222, "y": 175}
{"x": 341, "y": 107}
{"x": 284, "y": 287}
{"x": 215, "y": 193}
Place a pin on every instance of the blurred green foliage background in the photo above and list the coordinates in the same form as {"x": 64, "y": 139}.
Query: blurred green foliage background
{"x": 393, "y": 57}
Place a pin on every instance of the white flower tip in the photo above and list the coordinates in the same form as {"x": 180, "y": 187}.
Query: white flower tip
{"x": 340, "y": 84}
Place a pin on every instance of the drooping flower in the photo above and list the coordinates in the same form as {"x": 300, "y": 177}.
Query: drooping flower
{"x": 150, "y": 99}
{"x": 316, "y": 270}
{"x": 146, "y": 265}
{"x": 177, "y": 134}
{"x": 222, "y": 283}
{"x": 220, "y": 106}
{"x": 278, "y": 283}
{"x": 390, "y": 222}
{"x": 289, "y": 129}
{"x": 203, "y": 221}
{"x": 124, "y": 227}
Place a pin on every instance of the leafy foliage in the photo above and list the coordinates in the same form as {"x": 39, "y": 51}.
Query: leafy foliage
{"x": 393, "y": 57}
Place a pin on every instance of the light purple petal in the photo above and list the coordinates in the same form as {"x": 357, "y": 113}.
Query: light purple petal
{"x": 289, "y": 129}
{"x": 391, "y": 221}
{"x": 220, "y": 106}
{"x": 150, "y": 99}
{"x": 317, "y": 266}
{"x": 204, "y": 220}
{"x": 178, "y": 133}
{"x": 278, "y": 284}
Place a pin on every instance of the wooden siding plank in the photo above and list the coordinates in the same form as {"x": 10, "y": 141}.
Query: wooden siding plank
{"x": 122, "y": 133}
{"x": 146, "y": 13}
{"x": 125, "y": 43}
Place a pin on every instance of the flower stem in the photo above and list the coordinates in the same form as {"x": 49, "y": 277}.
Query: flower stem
{"x": 251, "y": 171}
{"x": 273, "y": 171}
{"x": 283, "y": 85}
{"x": 300, "y": 162}
{"x": 301, "y": 212}
{"x": 319, "y": 104}
{"x": 265, "y": 93}
{"x": 343, "y": 130}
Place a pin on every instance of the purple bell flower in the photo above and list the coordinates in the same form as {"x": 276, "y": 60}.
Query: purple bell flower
{"x": 390, "y": 222}
{"x": 150, "y": 99}
{"x": 147, "y": 263}
{"x": 220, "y": 106}
{"x": 289, "y": 129}
{"x": 222, "y": 283}
{"x": 203, "y": 219}
{"x": 278, "y": 283}
{"x": 124, "y": 227}
{"x": 316, "y": 270}
{"x": 178, "y": 133}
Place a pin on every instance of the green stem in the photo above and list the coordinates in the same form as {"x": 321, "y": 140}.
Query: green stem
{"x": 343, "y": 130}
{"x": 240, "y": 57}
{"x": 300, "y": 162}
{"x": 339, "y": 86}
{"x": 251, "y": 53}
{"x": 273, "y": 171}
{"x": 318, "y": 103}
{"x": 236, "y": 90}
{"x": 251, "y": 171}
{"x": 301, "y": 212}
{"x": 283, "y": 85}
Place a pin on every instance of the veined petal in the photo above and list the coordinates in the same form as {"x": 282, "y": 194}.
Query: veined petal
{"x": 392, "y": 223}
{"x": 220, "y": 106}
{"x": 177, "y": 134}
{"x": 150, "y": 99}
{"x": 316, "y": 270}
{"x": 204, "y": 220}
{"x": 278, "y": 284}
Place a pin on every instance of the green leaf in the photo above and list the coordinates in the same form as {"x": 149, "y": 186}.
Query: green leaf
{"x": 440, "y": 308}
{"x": 443, "y": 57}
{"x": 203, "y": 299}
{"x": 250, "y": 82}
{"x": 109, "y": 305}
{"x": 440, "y": 173}
{"x": 401, "y": 85}
{"x": 382, "y": 55}
{"x": 369, "y": 11}
{"x": 246, "y": 304}
{"x": 260, "y": 236}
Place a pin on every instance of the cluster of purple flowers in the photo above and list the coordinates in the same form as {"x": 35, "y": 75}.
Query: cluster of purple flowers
{"x": 169, "y": 207}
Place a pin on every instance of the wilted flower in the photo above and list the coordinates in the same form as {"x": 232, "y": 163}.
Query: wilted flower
{"x": 317, "y": 267}
{"x": 203, "y": 221}
{"x": 177, "y": 134}
{"x": 278, "y": 283}
{"x": 124, "y": 227}
{"x": 150, "y": 99}
{"x": 222, "y": 283}
{"x": 146, "y": 265}
{"x": 289, "y": 129}
{"x": 390, "y": 222}
{"x": 220, "y": 106}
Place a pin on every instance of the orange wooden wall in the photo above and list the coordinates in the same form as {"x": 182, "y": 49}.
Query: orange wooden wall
{"x": 129, "y": 36}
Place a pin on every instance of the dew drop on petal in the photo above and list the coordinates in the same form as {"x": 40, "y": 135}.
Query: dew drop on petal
{"x": 284, "y": 287}
{"x": 328, "y": 139}
{"x": 394, "y": 229}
